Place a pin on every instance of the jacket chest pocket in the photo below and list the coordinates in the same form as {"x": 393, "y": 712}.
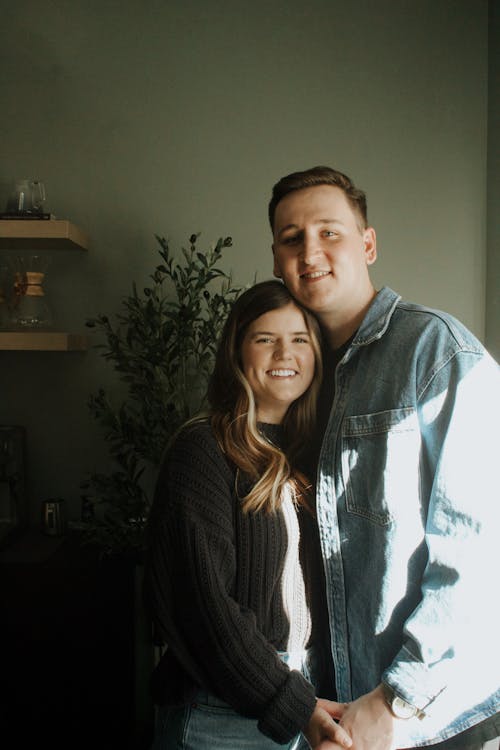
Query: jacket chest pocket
{"x": 380, "y": 464}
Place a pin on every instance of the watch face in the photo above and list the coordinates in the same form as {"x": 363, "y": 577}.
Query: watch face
{"x": 402, "y": 709}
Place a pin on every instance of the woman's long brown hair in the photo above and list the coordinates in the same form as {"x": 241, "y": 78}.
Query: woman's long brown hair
{"x": 233, "y": 415}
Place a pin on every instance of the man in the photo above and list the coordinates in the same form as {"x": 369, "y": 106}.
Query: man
{"x": 407, "y": 487}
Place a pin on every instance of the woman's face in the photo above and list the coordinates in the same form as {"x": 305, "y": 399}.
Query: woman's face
{"x": 278, "y": 361}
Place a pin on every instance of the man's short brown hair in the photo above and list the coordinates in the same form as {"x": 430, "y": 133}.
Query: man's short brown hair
{"x": 320, "y": 176}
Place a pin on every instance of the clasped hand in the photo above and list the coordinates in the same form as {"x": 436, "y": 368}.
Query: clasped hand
{"x": 364, "y": 724}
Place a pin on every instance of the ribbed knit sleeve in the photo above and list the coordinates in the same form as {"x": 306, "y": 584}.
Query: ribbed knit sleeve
{"x": 190, "y": 580}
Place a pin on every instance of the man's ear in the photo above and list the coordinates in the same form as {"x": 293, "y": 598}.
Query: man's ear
{"x": 276, "y": 270}
{"x": 370, "y": 242}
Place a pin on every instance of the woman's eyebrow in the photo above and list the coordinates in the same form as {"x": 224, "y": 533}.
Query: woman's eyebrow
{"x": 273, "y": 333}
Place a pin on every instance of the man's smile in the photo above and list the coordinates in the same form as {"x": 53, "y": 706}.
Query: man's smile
{"x": 314, "y": 275}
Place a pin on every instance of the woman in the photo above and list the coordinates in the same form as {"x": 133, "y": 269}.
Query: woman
{"x": 227, "y": 584}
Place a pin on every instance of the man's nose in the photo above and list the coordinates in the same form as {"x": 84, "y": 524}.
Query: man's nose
{"x": 309, "y": 250}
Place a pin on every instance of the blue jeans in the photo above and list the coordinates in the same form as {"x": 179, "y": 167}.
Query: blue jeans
{"x": 210, "y": 724}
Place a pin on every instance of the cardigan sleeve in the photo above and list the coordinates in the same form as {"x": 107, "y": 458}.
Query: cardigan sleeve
{"x": 189, "y": 577}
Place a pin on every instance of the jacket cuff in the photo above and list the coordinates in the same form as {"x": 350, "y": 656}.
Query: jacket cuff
{"x": 415, "y": 681}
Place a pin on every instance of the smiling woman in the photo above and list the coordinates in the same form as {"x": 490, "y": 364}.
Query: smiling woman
{"x": 277, "y": 358}
{"x": 233, "y": 582}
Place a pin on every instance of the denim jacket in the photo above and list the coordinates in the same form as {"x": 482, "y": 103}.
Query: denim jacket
{"x": 408, "y": 511}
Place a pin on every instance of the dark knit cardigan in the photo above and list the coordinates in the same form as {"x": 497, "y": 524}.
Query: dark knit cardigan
{"x": 212, "y": 587}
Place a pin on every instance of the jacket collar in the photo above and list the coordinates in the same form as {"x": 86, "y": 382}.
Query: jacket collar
{"x": 377, "y": 319}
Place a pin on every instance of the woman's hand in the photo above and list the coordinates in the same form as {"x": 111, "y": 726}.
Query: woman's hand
{"x": 323, "y": 729}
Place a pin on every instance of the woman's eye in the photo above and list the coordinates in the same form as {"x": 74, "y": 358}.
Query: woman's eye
{"x": 264, "y": 340}
{"x": 301, "y": 340}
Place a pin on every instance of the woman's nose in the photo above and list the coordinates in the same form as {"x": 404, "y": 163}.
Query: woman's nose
{"x": 281, "y": 352}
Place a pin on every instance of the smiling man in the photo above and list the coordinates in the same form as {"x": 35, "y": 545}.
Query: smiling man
{"x": 407, "y": 492}
{"x": 322, "y": 249}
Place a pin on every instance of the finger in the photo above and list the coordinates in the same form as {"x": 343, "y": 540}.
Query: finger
{"x": 331, "y": 730}
{"x": 328, "y": 745}
{"x": 338, "y": 734}
{"x": 336, "y": 710}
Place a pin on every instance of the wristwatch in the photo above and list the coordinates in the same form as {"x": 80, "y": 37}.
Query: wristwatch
{"x": 400, "y": 708}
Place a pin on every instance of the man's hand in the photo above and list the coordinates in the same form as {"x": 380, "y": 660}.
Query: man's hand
{"x": 322, "y": 732}
{"x": 369, "y": 722}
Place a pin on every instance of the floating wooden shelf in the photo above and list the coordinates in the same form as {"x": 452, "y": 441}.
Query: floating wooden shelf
{"x": 41, "y": 234}
{"x": 42, "y": 341}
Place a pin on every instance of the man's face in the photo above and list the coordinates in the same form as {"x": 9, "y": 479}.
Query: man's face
{"x": 321, "y": 252}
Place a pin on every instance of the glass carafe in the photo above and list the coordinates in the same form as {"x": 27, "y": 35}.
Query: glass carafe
{"x": 27, "y": 198}
{"x": 29, "y": 305}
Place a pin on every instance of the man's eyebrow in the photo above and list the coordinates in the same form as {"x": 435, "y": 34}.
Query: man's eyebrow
{"x": 319, "y": 221}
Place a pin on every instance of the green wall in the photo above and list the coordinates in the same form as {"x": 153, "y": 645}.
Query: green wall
{"x": 178, "y": 117}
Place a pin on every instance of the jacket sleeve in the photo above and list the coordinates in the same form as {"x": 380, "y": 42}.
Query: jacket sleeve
{"x": 189, "y": 577}
{"x": 451, "y": 638}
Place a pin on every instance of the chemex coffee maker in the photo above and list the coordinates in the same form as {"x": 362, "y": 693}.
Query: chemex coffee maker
{"x": 26, "y": 200}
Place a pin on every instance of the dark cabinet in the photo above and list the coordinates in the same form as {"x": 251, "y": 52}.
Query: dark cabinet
{"x": 68, "y": 647}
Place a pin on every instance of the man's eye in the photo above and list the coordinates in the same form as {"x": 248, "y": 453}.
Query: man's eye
{"x": 291, "y": 240}
{"x": 329, "y": 233}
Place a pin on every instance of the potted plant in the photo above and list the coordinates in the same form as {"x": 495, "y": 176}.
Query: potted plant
{"x": 161, "y": 345}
